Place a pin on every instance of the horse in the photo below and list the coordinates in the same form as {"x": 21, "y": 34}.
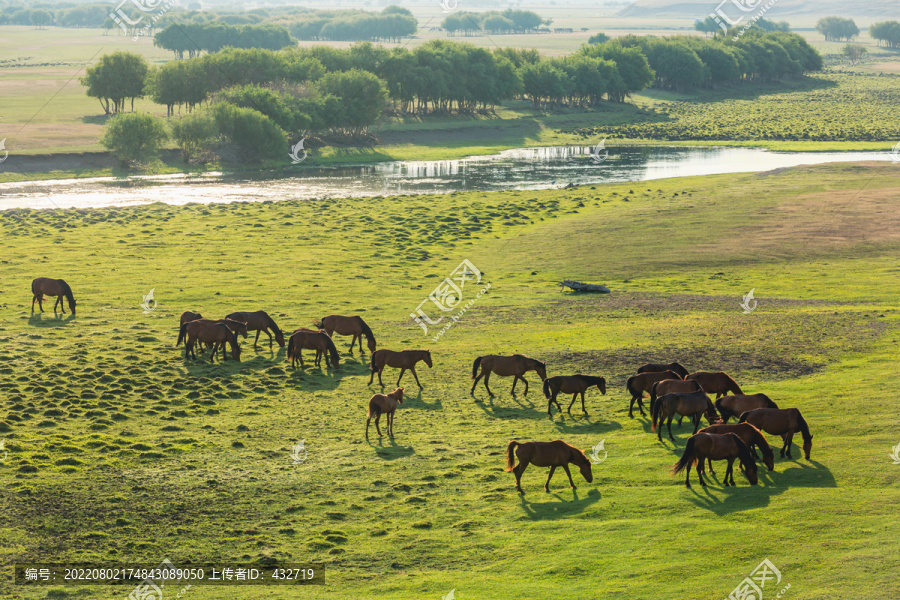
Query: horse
{"x": 718, "y": 383}
{"x": 354, "y": 326}
{"x": 657, "y": 368}
{"x": 504, "y": 366}
{"x": 571, "y": 384}
{"x": 695, "y": 404}
{"x": 188, "y": 316}
{"x": 52, "y": 287}
{"x": 784, "y": 422}
{"x": 643, "y": 382}
{"x": 308, "y": 339}
{"x": 403, "y": 360}
{"x": 713, "y": 446}
{"x": 210, "y": 332}
{"x": 671, "y": 386}
{"x": 547, "y": 454}
{"x": 750, "y": 435}
{"x": 735, "y": 406}
{"x": 384, "y": 404}
{"x": 259, "y": 321}
{"x": 235, "y": 326}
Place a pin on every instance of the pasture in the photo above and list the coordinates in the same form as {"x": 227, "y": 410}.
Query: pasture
{"x": 120, "y": 449}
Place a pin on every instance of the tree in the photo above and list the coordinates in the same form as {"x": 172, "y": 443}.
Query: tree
{"x": 362, "y": 97}
{"x": 887, "y": 33}
{"x": 40, "y": 18}
{"x": 115, "y": 78}
{"x": 633, "y": 69}
{"x": 853, "y": 53}
{"x": 707, "y": 26}
{"x": 598, "y": 38}
{"x": 255, "y": 135}
{"x": 194, "y": 133}
{"x": 837, "y": 28}
{"x": 134, "y": 137}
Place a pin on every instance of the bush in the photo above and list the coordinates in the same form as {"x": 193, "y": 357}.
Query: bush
{"x": 256, "y": 136}
{"x": 134, "y": 137}
{"x": 195, "y": 133}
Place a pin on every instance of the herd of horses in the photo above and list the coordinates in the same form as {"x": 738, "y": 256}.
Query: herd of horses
{"x": 672, "y": 390}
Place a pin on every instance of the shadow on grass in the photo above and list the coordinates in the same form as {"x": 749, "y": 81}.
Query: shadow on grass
{"x": 38, "y": 320}
{"x": 386, "y": 447}
{"x": 561, "y": 507}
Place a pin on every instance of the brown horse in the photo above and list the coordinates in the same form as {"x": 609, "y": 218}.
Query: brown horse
{"x": 403, "y": 360}
{"x": 259, "y": 321}
{"x": 188, "y": 316}
{"x": 571, "y": 384}
{"x": 354, "y": 326}
{"x": 716, "y": 447}
{"x": 671, "y": 386}
{"x": 694, "y": 404}
{"x": 384, "y": 404}
{"x": 643, "y": 382}
{"x": 735, "y": 406}
{"x": 656, "y": 368}
{"x": 750, "y": 435}
{"x": 235, "y": 326}
{"x": 308, "y": 339}
{"x": 718, "y": 383}
{"x": 504, "y": 366}
{"x": 213, "y": 333}
{"x": 52, "y": 287}
{"x": 547, "y": 454}
{"x": 784, "y": 422}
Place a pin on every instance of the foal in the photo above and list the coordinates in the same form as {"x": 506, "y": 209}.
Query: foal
{"x": 384, "y": 404}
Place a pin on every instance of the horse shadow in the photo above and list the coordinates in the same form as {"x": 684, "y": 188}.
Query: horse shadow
{"x": 417, "y": 402}
{"x": 391, "y": 451}
{"x": 524, "y": 410}
{"x": 560, "y": 508}
{"x": 572, "y": 423}
{"x": 37, "y": 320}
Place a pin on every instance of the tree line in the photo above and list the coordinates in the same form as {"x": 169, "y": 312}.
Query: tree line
{"x": 193, "y": 38}
{"x": 392, "y": 24}
{"x": 493, "y": 21}
{"x": 837, "y": 28}
{"x": 887, "y": 33}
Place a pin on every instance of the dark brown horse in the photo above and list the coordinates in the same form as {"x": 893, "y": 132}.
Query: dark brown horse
{"x": 188, "y": 316}
{"x": 735, "y": 406}
{"x": 259, "y": 321}
{"x": 656, "y": 368}
{"x": 403, "y": 360}
{"x": 671, "y": 386}
{"x": 354, "y": 326}
{"x": 505, "y": 366}
{"x": 571, "y": 384}
{"x": 52, "y": 287}
{"x": 307, "y": 339}
{"x": 235, "y": 326}
{"x": 750, "y": 435}
{"x": 638, "y": 384}
{"x": 716, "y": 447}
{"x": 211, "y": 333}
{"x": 384, "y": 404}
{"x": 547, "y": 454}
{"x": 694, "y": 405}
{"x": 718, "y": 383}
{"x": 784, "y": 422}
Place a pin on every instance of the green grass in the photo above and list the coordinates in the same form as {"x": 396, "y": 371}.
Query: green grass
{"x": 121, "y": 450}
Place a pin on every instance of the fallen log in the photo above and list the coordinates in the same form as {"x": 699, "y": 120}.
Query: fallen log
{"x": 585, "y": 287}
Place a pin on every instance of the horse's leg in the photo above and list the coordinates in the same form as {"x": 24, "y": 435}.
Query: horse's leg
{"x": 687, "y": 480}
{"x": 360, "y": 337}
{"x": 515, "y": 381}
{"x": 574, "y": 398}
{"x": 631, "y": 407}
{"x": 402, "y": 371}
{"x": 700, "y": 471}
{"x": 659, "y": 424}
{"x": 712, "y": 472}
{"x": 59, "y": 303}
{"x": 268, "y": 333}
{"x": 788, "y": 442}
{"x": 379, "y": 376}
{"x": 518, "y": 471}
{"x": 257, "y": 338}
{"x": 783, "y": 444}
{"x": 413, "y": 369}
{"x": 367, "y": 426}
{"x": 571, "y": 483}
{"x": 680, "y": 419}
{"x": 377, "y": 419}
{"x": 547, "y": 485}
{"x": 583, "y": 409}
{"x": 33, "y": 298}
{"x": 487, "y": 376}
{"x": 525, "y": 381}
{"x": 472, "y": 391}
{"x": 669, "y": 425}
{"x": 640, "y": 401}
{"x": 729, "y": 473}
{"x": 697, "y": 418}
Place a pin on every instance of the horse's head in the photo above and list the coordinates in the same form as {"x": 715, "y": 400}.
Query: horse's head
{"x": 750, "y": 471}
{"x": 371, "y": 344}
{"x": 427, "y": 358}
{"x": 807, "y": 446}
{"x": 398, "y": 395}
{"x": 236, "y": 351}
{"x": 585, "y": 469}
{"x": 602, "y": 385}
{"x": 72, "y": 305}
{"x": 769, "y": 460}
{"x": 279, "y": 337}
{"x": 541, "y": 369}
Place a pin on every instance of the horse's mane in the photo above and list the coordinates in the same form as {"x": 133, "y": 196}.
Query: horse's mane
{"x": 367, "y": 331}
{"x": 332, "y": 349}
{"x": 271, "y": 323}
{"x": 743, "y": 450}
{"x": 67, "y": 291}
{"x": 578, "y": 452}
{"x": 804, "y": 428}
{"x": 770, "y": 404}
{"x": 592, "y": 379}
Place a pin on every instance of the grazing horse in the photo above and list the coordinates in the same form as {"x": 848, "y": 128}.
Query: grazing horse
{"x": 671, "y": 386}
{"x": 188, "y": 316}
{"x": 354, "y": 326}
{"x": 547, "y": 454}
{"x": 384, "y": 404}
{"x": 750, "y": 435}
{"x": 504, "y": 366}
{"x": 735, "y": 406}
{"x": 656, "y": 368}
{"x": 643, "y": 382}
{"x": 235, "y": 326}
{"x": 308, "y": 339}
{"x": 403, "y": 360}
{"x": 784, "y": 422}
{"x": 259, "y": 321}
{"x": 716, "y": 447}
{"x": 52, "y": 287}
{"x": 718, "y": 383}
{"x": 694, "y": 404}
{"x": 213, "y": 333}
{"x": 571, "y": 384}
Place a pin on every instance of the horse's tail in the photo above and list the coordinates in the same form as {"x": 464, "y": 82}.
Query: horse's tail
{"x": 546, "y": 388}
{"x": 475, "y": 367}
{"x": 510, "y": 459}
{"x": 290, "y": 347}
{"x": 726, "y": 413}
{"x": 374, "y": 409}
{"x": 654, "y": 412}
{"x": 743, "y": 417}
{"x": 653, "y": 395}
{"x": 687, "y": 457}
{"x": 372, "y": 366}
{"x": 182, "y": 333}
{"x": 804, "y": 428}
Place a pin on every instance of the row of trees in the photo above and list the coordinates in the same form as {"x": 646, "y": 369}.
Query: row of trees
{"x": 711, "y": 25}
{"x": 507, "y": 21}
{"x": 193, "y": 38}
{"x": 837, "y": 28}
{"x": 392, "y": 24}
{"x": 887, "y": 33}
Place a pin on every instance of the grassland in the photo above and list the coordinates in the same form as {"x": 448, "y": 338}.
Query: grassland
{"x": 119, "y": 449}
